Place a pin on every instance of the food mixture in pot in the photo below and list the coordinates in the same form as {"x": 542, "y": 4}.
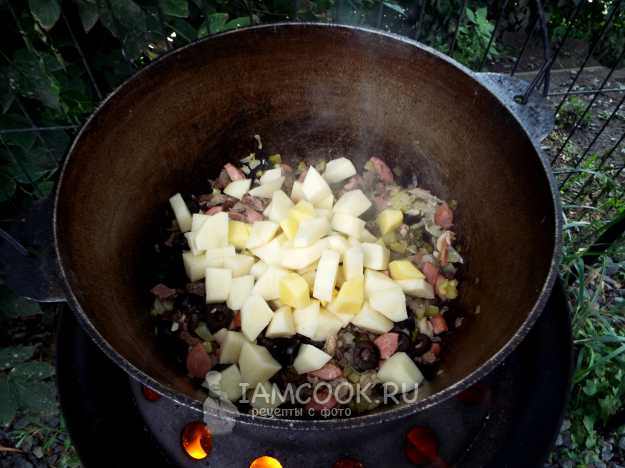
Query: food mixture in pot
{"x": 314, "y": 276}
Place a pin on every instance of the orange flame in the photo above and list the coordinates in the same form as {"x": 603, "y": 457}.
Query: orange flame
{"x": 197, "y": 441}
{"x": 266, "y": 462}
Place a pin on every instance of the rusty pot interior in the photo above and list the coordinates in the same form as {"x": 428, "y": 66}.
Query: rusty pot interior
{"x": 308, "y": 90}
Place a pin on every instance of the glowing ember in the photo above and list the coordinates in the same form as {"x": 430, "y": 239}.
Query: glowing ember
{"x": 197, "y": 440}
{"x": 348, "y": 463}
{"x": 421, "y": 445}
{"x": 150, "y": 394}
{"x": 266, "y": 462}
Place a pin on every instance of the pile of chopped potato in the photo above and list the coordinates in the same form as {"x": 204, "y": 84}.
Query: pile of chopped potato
{"x": 316, "y": 265}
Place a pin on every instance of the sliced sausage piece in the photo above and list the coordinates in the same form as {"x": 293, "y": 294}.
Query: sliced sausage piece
{"x": 233, "y": 172}
{"x": 430, "y": 272}
{"x": 328, "y": 372}
{"x": 387, "y": 344}
{"x": 199, "y": 362}
{"x": 439, "y": 325}
{"x": 162, "y": 292}
{"x": 443, "y": 216}
{"x": 384, "y": 172}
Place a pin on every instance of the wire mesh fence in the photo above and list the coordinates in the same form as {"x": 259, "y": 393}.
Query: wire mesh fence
{"x": 572, "y": 61}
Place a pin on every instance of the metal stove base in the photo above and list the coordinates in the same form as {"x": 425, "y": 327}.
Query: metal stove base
{"x": 514, "y": 424}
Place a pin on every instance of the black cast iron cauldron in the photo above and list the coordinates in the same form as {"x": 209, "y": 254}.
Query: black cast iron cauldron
{"x": 308, "y": 89}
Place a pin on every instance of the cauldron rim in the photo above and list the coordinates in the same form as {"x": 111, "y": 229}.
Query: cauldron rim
{"x": 393, "y": 412}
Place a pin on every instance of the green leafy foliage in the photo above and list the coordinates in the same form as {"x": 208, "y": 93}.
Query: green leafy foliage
{"x": 473, "y": 38}
{"x": 46, "y": 12}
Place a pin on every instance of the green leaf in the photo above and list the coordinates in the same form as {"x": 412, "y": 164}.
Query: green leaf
{"x": 33, "y": 370}
{"x": 123, "y": 17}
{"x": 7, "y": 186}
{"x": 216, "y": 22}
{"x": 46, "y": 12}
{"x": 89, "y": 14}
{"x": 38, "y": 397}
{"x": 177, "y": 8}
{"x": 10, "y": 357}
{"x": 470, "y": 15}
{"x": 395, "y": 7}
{"x": 8, "y": 403}
{"x": 239, "y": 22}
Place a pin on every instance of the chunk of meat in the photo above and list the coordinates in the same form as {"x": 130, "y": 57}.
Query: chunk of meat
{"x": 435, "y": 349}
{"x": 234, "y": 172}
{"x": 380, "y": 202}
{"x": 443, "y": 216}
{"x": 387, "y": 344}
{"x": 198, "y": 288}
{"x": 253, "y": 216}
{"x": 214, "y": 210}
{"x": 162, "y": 292}
{"x": 431, "y": 273}
{"x": 384, "y": 172}
{"x": 199, "y": 362}
{"x": 439, "y": 325}
{"x": 328, "y": 372}
{"x": 286, "y": 168}
{"x": 252, "y": 202}
{"x": 234, "y": 216}
{"x": 353, "y": 183}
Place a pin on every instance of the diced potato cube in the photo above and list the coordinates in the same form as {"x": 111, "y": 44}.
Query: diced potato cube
{"x": 270, "y": 175}
{"x": 294, "y": 291}
{"x": 289, "y": 227}
{"x": 309, "y": 277}
{"x": 338, "y": 243}
{"x": 315, "y": 187}
{"x": 306, "y": 319}
{"x": 213, "y": 232}
{"x": 350, "y": 297}
{"x": 417, "y": 288}
{"x": 262, "y": 233}
{"x": 366, "y": 236}
{"x": 231, "y": 347}
{"x": 325, "y": 203}
{"x": 391, "y": 303}
{"x": 190, "y": 236}
{"x": 270, "y": 253}
{"x": 353, "y": 262}
{"x": 282, "y": 324}
{"x": 296, "y": 258}
{"x": 338, "y": 170}
{"x": 353, "y": 203}
{"x": 240, "y": 290}
{"x": 230, "y": 383}
{"x": 268, "y": 285}
{"x": 216, "y": 257}
{"x": 181, "y": 212}
{"x": 389, "y": 220}
{"x": 376, "y": 256}
{"x": 239, "y": 233}
{"x": 255, "y": 316}
{"x": 297, "y": 193}
{"x": 220, "y": 336}
{"x": 348, "y": 225}
{"x": 328, "y": 324}
{"x": 325, "y": 278}
{"x": 267, "y": 190}
{"x": 376, "y": 281}
{"x": 310, "y": 231}
{"x": 218, "y": 284}
{"x": 266, "y": 396}
{"x": 194, "y": 265}
{"x": 404, "y": 270}
{"x": 256, "y": 364}
{"x": 239, "y": 264}
{"x": 258, "y": 269}
{"x": 279, "y": 207}
{"x": 238, "y": 188}
{"x": 371, "y": 320}
{"x": 197, "y": 220}
{"x": 310, "y": 358}
{"x": 401, "y": 371}
{"x": 303, "y": 210}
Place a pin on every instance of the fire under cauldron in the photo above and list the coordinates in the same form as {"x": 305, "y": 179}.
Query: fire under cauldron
{"x": 328, "y": 90}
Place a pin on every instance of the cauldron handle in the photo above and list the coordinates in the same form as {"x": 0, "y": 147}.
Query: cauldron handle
{"x": 536, "y": 115}
{"x": 27, "y": 254}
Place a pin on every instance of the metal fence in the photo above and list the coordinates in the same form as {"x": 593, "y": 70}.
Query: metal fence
{"x": 581, "y": 172}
